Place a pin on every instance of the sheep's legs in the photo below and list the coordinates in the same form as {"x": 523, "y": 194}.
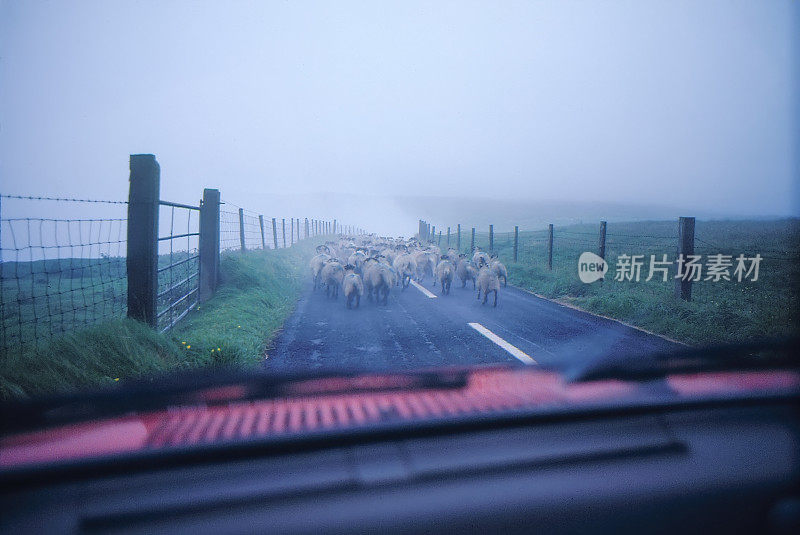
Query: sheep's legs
{"x": 495, "y": 298}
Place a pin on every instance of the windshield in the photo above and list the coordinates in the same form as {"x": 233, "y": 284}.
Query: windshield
{"x": 294, "y": 189}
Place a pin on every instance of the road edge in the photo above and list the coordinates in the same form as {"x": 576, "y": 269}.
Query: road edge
{"x": 575, "y": 307}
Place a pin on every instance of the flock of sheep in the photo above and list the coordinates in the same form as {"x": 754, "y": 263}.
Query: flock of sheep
{"x": 373, "y": 265}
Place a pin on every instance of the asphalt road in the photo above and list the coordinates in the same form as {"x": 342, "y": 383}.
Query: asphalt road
{"x": 415, "y": 330}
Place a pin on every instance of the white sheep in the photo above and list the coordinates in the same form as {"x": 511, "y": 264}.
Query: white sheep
{"x": 466, "y": 271}
{"x": 444, "y": 273}
{"x": 332, "y": 275}
{"x": 487, "y": 282}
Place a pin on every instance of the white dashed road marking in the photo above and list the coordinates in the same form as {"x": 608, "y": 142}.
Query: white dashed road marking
{"x": 421, "y": 289}
{"x": 514, "y": 350}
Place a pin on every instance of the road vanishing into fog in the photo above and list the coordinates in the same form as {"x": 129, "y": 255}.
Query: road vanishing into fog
{"x": 420, "y": 327}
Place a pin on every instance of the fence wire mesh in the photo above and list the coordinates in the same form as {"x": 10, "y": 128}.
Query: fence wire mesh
{"x": 61, "y": 270}
{"x": 178, "y": 263}
{"x": 59, "y": 273}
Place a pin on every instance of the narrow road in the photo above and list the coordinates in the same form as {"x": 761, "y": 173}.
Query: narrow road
{"x": 416, "y": 330}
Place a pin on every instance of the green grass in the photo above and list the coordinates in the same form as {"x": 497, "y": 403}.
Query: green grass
{"x": 720, "y": 312}
{"x": 258, "y": 291}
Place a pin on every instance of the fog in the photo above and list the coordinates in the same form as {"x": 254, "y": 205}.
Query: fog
{"x": 353, "y": 110}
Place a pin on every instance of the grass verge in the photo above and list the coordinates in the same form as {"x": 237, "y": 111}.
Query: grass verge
{"x": 719, "y": 312}
{"x": 258, "y": 292}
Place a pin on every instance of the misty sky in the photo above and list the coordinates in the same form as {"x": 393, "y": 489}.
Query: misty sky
{"x": 684, "y": 104}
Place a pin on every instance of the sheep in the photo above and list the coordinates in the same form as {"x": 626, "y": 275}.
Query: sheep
{"x": 378, "y": 278}
{"x": 478, "y": 255}
{"x": 316, "y": 264}
{"x": 425, "y": 265}
{"x": 357, "y": 260}
{"x": 352, "y": 285}
{"x": 406, "y": 269}
{"x": 499, "y": 269}
{"x": 452, "y": 255}
{"x": 444, "y": 273}
{"x": 487, "y": 282}
{"x": 466, "y": 271}
{"x": 332, "y": 275}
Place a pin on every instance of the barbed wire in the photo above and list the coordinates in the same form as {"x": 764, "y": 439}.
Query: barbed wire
{"x": 62, "y": 199}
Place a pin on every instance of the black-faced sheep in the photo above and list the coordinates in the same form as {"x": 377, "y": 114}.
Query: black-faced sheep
{"x": 352, "y": 286}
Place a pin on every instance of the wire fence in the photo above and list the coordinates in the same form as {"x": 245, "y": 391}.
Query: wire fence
{"x": 61, "y": 270}
{"x": 650, "y": 241}
{"x": 59, "y": 273}
{"x": 178, "y": 263}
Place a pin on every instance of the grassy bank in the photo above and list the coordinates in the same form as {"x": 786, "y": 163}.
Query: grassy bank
{"x": 258, "y": 291}
{"x": 724, "y": 311}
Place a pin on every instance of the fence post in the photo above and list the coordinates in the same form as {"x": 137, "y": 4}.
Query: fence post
{"x": 602, "y": 240}
{"x": 472, "y": 241}
{"x": 306, "y": 227}
{"x": 491, "y": 238}
{"x": 263, "y": 238}
{"x": 458, "y": 238}
{"x": 142, "y": 254}
{"x": 448, "y": 236}
{"x": 291, "y": 232}
{"x": 274, "y": 233}
{"x": 550, "y": 246}
{"x": 241, "y": 227}
{"x": 433, "y": 230}
{"x": 283, "y": 231}
{"x": 440, "y": 239}
{"x": 516, "y": 242}
{"x": 683, "y": 288}
{"x": 209, "y": 244}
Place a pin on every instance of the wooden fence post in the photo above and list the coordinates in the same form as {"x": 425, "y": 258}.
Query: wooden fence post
{"x": 274, "y": 233}
{"x": 263, "y": 238}
{"x": 472, "y": 241}
{"x": 516, "y": 242}
{"x": 602, "y": 247}
{"x": 142, "y": 253}
{"x": 439, "y": 243}
{"x": 291, "y": 232}
{"x": 283, "y": 231}
{"x": 306, "y": 227}
{"x": 241, "y": 228}
{"x": 448, "y": 236}
{"x": 491, "y": 238}
{"x": 433, "y": 230}
{"x": 550, "y": 246}
{"x": 209, "y": 244}
{"x": 458, "y": 238}
{"x": 683, "y": 288}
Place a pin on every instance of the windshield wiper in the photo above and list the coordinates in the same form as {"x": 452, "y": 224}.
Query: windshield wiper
{"x": 769, "y": 353}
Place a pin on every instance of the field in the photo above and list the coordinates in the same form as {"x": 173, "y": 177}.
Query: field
{"x": 259, "y": 290}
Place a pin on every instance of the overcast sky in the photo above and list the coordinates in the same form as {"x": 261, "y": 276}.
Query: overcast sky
{"x": 684, "y": 104}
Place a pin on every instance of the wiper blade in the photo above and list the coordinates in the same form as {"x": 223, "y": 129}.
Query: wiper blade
{"x": 770, "y": 353}
{"x": 212, "y": 386}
